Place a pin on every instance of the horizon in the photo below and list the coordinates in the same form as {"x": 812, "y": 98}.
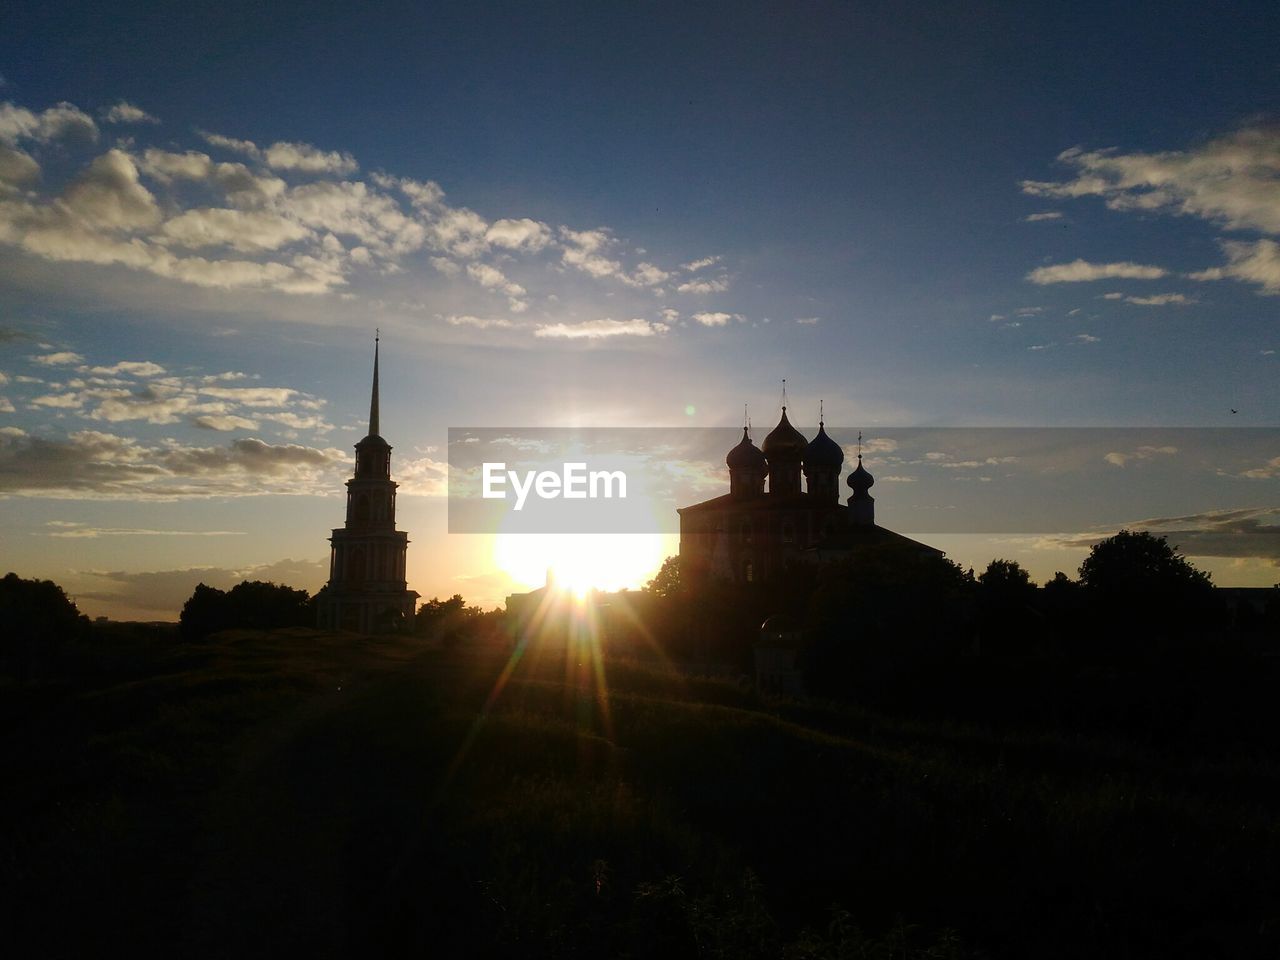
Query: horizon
{"x": 599, "y": 218}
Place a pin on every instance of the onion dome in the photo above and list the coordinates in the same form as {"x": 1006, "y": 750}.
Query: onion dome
{"x": 860, "y": 481}
{"x": 784, "y": 442}
{"x": 746, "y": 455}
{"x": 823, "y": 451}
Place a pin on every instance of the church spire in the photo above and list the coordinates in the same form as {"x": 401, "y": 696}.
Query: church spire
{"x": 373, "y": 401}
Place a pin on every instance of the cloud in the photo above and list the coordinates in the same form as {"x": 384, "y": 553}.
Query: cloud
{"x": 1081, "y": 270}
{"x": 247, "y": 231}
{"x": 808, "y": 321}
{"x": 1160, "y": 300}
{"x": 582, "y": 250}
{"x": 108, "y": 195}
{"x": 480, "y": 323}
{"x": 522, "y": 234}
{"x": 133, "y": 368}
{"x": 308, "y": 159}
{"x": 601, "y": 329}
{"x": 693, "y": 266}
{"x": 1039, "y": 217}
{"x": 493, "y": 278}
{"x": 17, "y": 168}
{"x": 1142, "y": 453}
{"x": 1087, "y": 338}
{"x": 1257, "y": 262}
{"x": 92, "y": 465}
{"x": 64, "y": 121}
{"x": 224, "y": 422}
{"x": 1249, "y": 532}
{"x": 715, "y": 319}
{"x": 164, "y": 592}
{"x": 62, "y": 358}
{"x": 1267, "y": 471}
{"x": 69, "y": 530}
{"x": 6, "y": 405}
{"x": 1233, "y": 180}
{"x": 716, "y": 285}
{"x": 446, "y": 266}
{"x": 125, "y": 112}
{"x": 647, "y": 275}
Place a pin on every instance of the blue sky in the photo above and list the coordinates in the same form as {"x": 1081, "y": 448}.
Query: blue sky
{"x": 604, "y": 215}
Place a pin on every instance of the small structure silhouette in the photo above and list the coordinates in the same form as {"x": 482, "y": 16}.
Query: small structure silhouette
{"x": 367, "y": 591}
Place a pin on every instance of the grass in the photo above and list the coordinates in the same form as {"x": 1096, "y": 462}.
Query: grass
{"x": 295, "y": 791}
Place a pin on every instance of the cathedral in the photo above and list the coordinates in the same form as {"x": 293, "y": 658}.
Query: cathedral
{"x": 367, "y": 591}
{"x": 750, "y": 534}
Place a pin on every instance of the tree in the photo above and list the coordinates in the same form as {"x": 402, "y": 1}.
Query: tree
{"x": 251, "y": 604}
{"x": 38, "y": 618}
{"x": 1007, "y": 581}
{"x": 666, "y": 582}
{"x": 1138, "y": 563}
{"x": 1139, "y": 588}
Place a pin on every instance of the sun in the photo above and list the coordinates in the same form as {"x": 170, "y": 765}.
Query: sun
{"x": 581, "y": 562}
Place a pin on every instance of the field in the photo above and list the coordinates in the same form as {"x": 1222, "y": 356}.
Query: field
{"x": 301, "y": 792}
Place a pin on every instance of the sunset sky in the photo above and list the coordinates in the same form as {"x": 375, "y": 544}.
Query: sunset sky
{"x": 615, "y": 215}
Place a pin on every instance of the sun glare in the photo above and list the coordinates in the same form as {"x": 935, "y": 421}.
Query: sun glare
{"x": 581, "y": 562}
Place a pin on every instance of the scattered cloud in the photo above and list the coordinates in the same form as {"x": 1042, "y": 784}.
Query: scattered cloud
{"x": 61, "y": 358}
{"x": 64, "y": 121}
{"x": 125, "y": 112}
{"x": 1039, "y": 217}
{"x": 716, "y": 285}
{"x": 522, "y": 234}
{"x": 480, "y": 323}
{"x": 1087, "y": 338}
{"x": 93, "y": 465}
{"x": 1257, "y": 262}
{"x": 1248, "y": 532}
{"x": 601, "y": 329}
{"x": 1231, "y": 181}
{"x": 716, "y": 319}
{"x": 72, "y": 530}
{"x": 1118, "y": 459}
{"x": 808, "y": 321}
{"x": 693, "y": 266}
{"x": 1160, "y": 300}
{"x": 1082, "y": 271}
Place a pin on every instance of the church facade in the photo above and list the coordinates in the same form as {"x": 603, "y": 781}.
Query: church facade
{"x": 752, "y": 533}
{"x": 367, "y": 591}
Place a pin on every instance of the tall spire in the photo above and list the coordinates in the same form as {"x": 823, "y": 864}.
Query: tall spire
{"x": 373, "y": 401}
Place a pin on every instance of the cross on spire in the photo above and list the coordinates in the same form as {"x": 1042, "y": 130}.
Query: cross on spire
{"x": 373, "y": 400}
{"x": 784, "y": 394}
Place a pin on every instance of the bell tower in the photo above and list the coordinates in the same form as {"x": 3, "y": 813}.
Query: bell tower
{"x": 367, "y": 591}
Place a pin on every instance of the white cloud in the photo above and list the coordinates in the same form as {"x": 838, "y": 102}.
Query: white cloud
{"x": 1039, "y": 217}
{"x": 17, "y": 168}
{"x": 493, "y": 278}
{"x": 808, "y": 321}
{"x": 1081, "y": 270}
{"x": 480, "y": 323}
{"x": 601, "y": 329}
{"x": 716, "y": 285}
{"x": 522, "y": 234}
{"x": 133, "y": 368}
{"x": 62, "y": 122}
{"x": 108, "y": 195}
{"x": 224, "y": 422}
{"x": 446, "y": 266}
{"x": 308, "y": 159}
{"x": 1160, "y": 300}
{"x": 6, "y": 405}
{"x": 715, "y": 319}
{"x": 582, "y": 250}
{"x": 62, "y": 358}
{"x": 247, "y": 231}
{"x": 125, "y": 112}
{"x": 1257, "y": 262}
{"x": 1087, "y": 338}
{"x": 693, "y": 266}
{"x": 647, "y": 275}
{"x": 1233, "y": 180}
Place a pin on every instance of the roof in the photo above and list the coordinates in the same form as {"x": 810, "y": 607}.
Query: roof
{"x": 858, "y": 536}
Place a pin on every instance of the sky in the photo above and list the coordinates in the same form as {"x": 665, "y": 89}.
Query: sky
{"x": 617, "y": 215}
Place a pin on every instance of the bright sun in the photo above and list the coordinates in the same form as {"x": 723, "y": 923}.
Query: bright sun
{"x": 581, "y": 561}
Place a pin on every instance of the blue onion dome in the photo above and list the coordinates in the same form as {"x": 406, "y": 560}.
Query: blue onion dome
{"x": 860, "y": 479}
{"x": 784, "y": 442}
{"x": 746, "y": 455}
{"x": 823, "y": 451}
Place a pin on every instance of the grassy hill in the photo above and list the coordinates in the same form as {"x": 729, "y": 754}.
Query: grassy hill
{"x": 303, "y": 792}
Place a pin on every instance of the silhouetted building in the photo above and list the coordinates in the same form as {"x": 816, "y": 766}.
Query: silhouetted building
{"x": 750, "y": 534}
{"x": 367, "y": 591}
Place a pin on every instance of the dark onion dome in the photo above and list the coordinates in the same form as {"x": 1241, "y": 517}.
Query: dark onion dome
{"x": 746, "y": 455}
{"x": 823, "y": 451}
{"x": 860, "y": 479}
{"x": 784, "y": 442}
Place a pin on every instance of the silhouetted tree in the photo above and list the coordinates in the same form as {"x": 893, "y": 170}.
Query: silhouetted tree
{"x": 1140, "y": 588}
{"x": 1008, "y": 619}
{"x": 38, "y": 620}
{"x": 251, "y": 604}
{"x": 666, "y": 582}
